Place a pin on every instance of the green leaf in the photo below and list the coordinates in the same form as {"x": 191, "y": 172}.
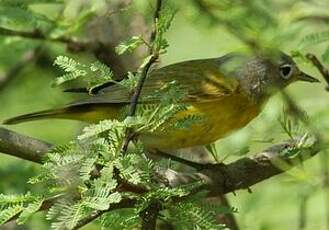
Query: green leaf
{"x": 65, "y": 78}
{"x": 101, "y": 127}
{"x": 29, "y": 211}
{"x": 10, "y": 200}
{"x": 162, "y": 26}
{"x": 315, "y": 38}
{"x": 129, "y": 45}
{"x": 191, "y": 216}
{"x": 67, "y": 64}
{"x": 104, "y": 75}
{"x": 65, "y": 214}
{"x": 102, "y": 203}
{"x": 74, "y": 70}
{"x": 87, "y": 166}
{"x": 10, "y": 212}
{"x": 128, "y": 167}
{"x": 121, "y": 219}
{"x": 325, "y": 55}
{"x": 22, "y": 19}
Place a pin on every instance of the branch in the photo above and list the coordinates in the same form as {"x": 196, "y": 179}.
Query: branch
{"x": 226, "y": 218}
{"x": 23, "y": 147}
{"x": 154, "y": 54}
{"x": 240, "y": 174}
{"x": 46, "y": 204}
{"x": 35, "y": 34}
{"x": 245, "y": 172}
{"x": 207, "y": 10}
{"x": 14, "y": 71}
{"x": 104, "y": 53}
{"x": 218, "y": 178}
{"x": 150, "y": 215}
{"x": 315, "y": 18}
{"x": 126, "y": 203}
{"x": 156, "y": 17}
{"x": 323, "y": 70}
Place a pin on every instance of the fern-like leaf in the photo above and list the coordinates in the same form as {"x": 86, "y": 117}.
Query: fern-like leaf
{"x": 10, "y": 212}
{"x": 29, "y": 211}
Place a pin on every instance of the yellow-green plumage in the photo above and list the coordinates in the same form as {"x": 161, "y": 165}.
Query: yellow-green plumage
{"x": 226, "y": 92}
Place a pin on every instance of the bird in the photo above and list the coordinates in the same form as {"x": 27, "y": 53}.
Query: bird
{"x": 228, "y": 92}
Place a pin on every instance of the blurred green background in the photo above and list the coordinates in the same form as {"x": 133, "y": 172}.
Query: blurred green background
{"x": 273, "y": 204}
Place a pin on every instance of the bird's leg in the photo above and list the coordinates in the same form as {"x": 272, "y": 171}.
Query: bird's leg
{"x": 195, "y": 165}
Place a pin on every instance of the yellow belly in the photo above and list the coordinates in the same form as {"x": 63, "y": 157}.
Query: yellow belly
{"x": 219, "y": 118}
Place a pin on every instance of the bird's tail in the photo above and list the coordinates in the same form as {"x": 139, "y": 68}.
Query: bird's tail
{"x": 92, "y": 112}
{"x": 52, "y": 113}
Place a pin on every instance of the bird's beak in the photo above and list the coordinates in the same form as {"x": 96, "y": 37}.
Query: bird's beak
{"x": 305, "y": 77}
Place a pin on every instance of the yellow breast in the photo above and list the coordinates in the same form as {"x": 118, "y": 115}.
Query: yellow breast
{"x": 219, "y": 118}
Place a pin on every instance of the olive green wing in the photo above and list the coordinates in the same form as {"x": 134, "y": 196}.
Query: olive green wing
{"x": 197, "y": 80}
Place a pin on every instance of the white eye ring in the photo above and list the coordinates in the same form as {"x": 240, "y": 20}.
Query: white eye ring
{"x": 286, "y": 71}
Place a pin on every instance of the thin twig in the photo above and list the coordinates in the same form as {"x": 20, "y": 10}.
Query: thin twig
{"x": 229, "y": 218}
{"x": 323, "y": 70}
{"x": 46, "y": 204}
{"x": 103, "y": 52}
{"x": 14, "y": 71}
{"x": 150, "y": 215}
{"x": 324, "y": 160}
{"x": 303, "y": 212}
{"x": 207, "y": 9}
{"x": 150, "y": 220}
{"x": 126, "y": 203}
{"x": 156, "y": 17}
{"x": 297, "y": 111}
{"x": 135, "y": 97}
{"x": 192, "y": 164}
{"x": 134, "y": 101}
{"x": 315, "y": 18}
{"x": 223, "y": 218}
{"x": 35, "y": 34}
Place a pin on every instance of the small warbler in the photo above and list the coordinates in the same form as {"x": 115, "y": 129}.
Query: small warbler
{"x": 228, "y": 92}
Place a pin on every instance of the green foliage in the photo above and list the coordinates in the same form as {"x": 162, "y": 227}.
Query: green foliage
{"x": 191, "y": 216}
{"x": 290, "y": 125}
{"x": 9, "y": 212}
{"x": 96, "y": 73}
{"x": 325, "y": 55}
{"x": 315, "y": 38}
{"x": 22, "y": 18}
{"x": 23, "y": 206}
{"x": 129, "y": 45}
{"x": 162, "y": 26}
{"x": 293, "y": 127}
{"x": 114, "y": 220}
{"x": 65, "y": 214}
{"x": 74, "y": 70}
{"x": 30, "y": 209}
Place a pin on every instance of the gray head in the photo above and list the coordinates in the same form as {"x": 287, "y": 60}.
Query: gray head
{"x": 261, "y": 76}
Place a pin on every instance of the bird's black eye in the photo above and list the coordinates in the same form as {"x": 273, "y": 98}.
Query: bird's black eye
{"x": 286, "y": 71}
